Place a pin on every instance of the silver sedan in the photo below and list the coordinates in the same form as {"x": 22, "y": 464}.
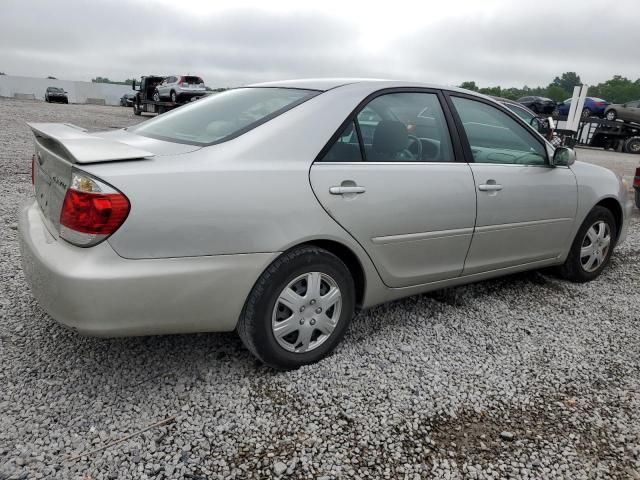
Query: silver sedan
{"x": 280, "y": 209}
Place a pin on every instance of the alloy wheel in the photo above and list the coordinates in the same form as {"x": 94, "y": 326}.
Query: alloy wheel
{"x": 306, "y": 312}
{"x": 595, "y": 246}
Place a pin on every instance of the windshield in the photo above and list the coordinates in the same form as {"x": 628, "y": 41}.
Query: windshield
{"x": 223, "y": 116}
{"x": 55, "y": 89}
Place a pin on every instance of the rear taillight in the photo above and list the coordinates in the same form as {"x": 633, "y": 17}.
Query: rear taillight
{"x": 601, "y": 104}
{"x": 636, "y": 179}
{"x": 91, "y": 211}
{"x": 33, "y": 169}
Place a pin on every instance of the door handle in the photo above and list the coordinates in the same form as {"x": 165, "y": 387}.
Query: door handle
{"x": 345, "y": 190}
{"x": 489, "y": 187}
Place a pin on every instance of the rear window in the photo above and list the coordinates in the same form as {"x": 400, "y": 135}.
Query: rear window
{"x": 190, "y": 79}
{"x": 222, "y": 116}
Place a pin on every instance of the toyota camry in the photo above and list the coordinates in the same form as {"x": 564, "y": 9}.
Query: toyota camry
{"x": 278, "y": 210}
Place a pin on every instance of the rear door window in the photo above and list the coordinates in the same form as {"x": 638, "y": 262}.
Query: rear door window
{"x": 396, "y": 127}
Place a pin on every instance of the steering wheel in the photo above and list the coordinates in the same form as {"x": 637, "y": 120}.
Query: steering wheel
{"x": 415, "y": 141}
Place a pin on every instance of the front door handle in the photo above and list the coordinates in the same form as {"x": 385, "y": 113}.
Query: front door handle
{"x": 345, "y": 190}
{"x": 489, "y": 187}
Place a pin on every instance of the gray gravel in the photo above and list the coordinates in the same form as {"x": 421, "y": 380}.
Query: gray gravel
{"x": 522, "y": 377}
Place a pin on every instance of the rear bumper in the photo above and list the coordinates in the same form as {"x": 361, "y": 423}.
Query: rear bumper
{"x": 97, "y": 292}
{"x": 183, "y": 95}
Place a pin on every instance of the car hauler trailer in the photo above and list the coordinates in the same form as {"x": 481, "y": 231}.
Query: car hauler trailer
{"x": 144, "y": 102}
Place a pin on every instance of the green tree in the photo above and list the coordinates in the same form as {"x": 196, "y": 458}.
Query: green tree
{"x": 567, "y": 81}
{"x": 556, "y": 93}
{"x": 493, "y": 91}
{"x": 469, "y": 86}
{"x": 617, "y": 90}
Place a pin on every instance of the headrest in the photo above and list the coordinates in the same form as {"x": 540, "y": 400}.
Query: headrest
{"x": 390, "y": 136}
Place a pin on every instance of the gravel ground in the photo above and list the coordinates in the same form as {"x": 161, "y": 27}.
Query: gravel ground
{"x": 522, "y": 377}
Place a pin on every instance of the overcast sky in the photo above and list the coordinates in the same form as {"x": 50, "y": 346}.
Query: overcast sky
{"x": 494, "y": 42}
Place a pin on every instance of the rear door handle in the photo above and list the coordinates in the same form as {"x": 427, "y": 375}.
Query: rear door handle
{"x": 345, "y": 190}
{"x": 489, "y": 187}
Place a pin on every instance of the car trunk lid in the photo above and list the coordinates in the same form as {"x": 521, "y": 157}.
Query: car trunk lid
{"x": 60, "y": 147}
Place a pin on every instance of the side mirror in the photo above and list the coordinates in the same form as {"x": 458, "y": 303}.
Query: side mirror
{"x": 563, "y": 157}
{"x": 133, "y": 84}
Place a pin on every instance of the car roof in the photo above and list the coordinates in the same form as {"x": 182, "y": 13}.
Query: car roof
{"x": 366, "y": 84}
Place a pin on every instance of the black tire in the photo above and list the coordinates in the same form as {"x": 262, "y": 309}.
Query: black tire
{"x": 586, "y": 113}
{"x": 136, "y": 110}
{"x": 572, "y": 269}
{"x": 611, "y": 113}
{"x": 156, "y": 96}
{"x": 173, "y": 96}
{"x": 254, "y": 326}
{"x": 632, "y": 145}
{"x": 638, "y": 198}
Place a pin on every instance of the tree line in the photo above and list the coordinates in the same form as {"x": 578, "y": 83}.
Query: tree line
{"x": 618, "y": 89}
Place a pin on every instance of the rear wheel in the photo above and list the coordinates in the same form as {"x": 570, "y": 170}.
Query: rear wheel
{"x": 592, "y": 247}
{"x": 299, "y": 309}
{"x": 632, "y": 145}
{"x": 611, "y": 115}
{"x": 586, "y": 113}
{"x": 638, "y": 198}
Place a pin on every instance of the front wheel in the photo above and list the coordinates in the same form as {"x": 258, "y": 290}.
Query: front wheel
{"x": 638, "y": 198}
{"x": 174, "y": 99}
{"x": 632, "y": 145}
{"x": 592, "y": 247}
{"x": 586, "y": 113}
{"x": 299, "y": 309}
{"x": 611, "y": 115}
{"x": 136, "y": 109}
{"x": 156, "y": 96}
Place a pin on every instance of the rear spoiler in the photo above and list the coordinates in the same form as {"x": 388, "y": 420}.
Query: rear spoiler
{"x": 82, "y": 147}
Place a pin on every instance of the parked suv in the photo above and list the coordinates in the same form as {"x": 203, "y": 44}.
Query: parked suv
{"x": 56, "y": 94}
{"x": 180, "y": 88}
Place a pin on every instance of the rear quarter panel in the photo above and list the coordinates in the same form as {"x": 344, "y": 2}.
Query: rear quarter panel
{"x": 248, "y": 195}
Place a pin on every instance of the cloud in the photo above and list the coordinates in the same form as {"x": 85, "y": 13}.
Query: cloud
{"x": 504, "y": 43}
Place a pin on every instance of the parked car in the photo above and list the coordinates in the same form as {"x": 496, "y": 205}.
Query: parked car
{"x": 593, "y": 107}
{"x": 628, "y": 112}
{"x": 264, "y": 210}
{"x": 55, "y": 94}
{"x": 540, "y": 105}
{"x": 127, "y": 99}
{"x": 178, "y": 88}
